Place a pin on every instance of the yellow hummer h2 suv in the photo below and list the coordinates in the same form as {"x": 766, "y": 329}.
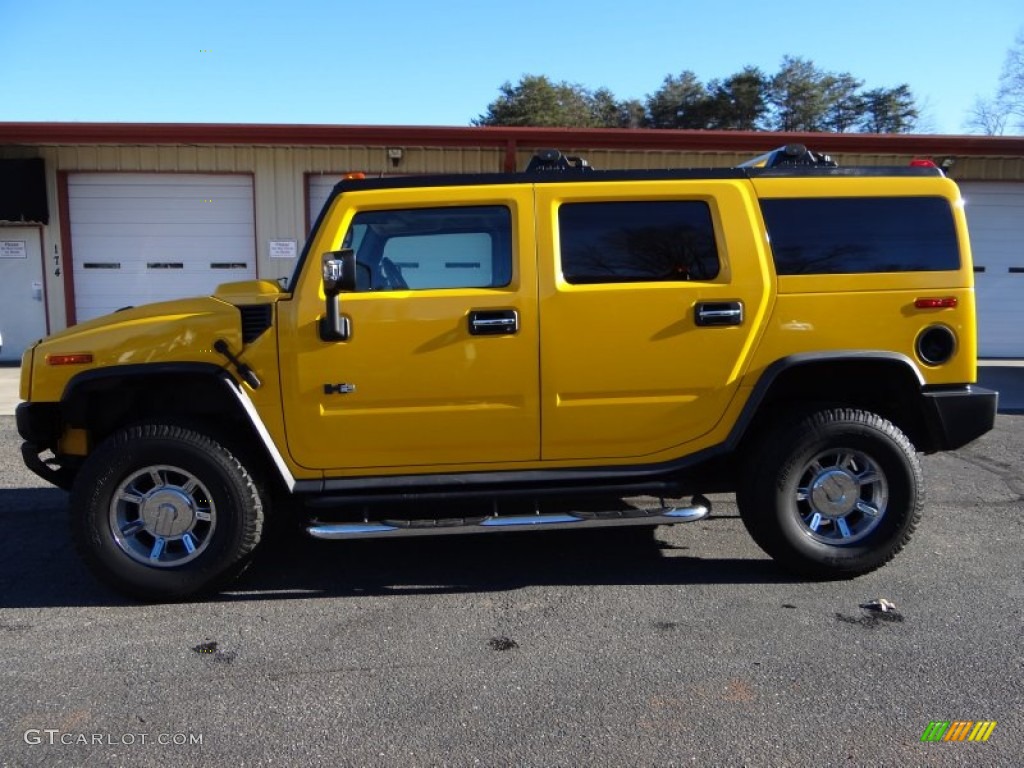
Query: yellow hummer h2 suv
{"x": 526, "y": 349}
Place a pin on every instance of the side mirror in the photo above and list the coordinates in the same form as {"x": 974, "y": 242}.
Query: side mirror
{"x": 339, "y": 274}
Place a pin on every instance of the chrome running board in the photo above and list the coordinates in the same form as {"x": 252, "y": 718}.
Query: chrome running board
{"x": 698, "y": 509}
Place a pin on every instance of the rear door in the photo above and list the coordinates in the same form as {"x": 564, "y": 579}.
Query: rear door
{"x": 649, "y": 311}
{"x": 441, "y": 369}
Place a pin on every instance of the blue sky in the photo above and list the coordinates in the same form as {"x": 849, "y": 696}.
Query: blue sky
{"x": 440, "y": 62}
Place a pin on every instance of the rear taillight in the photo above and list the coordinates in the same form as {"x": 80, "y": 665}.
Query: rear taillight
{"x": 936, "y": 302}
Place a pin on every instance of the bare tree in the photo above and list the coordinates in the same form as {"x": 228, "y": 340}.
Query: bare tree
{"x": 1011, "y": 82}
{"x": 987, "y": 117}
{"x": 993, "y": 115}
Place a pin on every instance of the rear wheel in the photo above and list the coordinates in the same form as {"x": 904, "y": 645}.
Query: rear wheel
{"x": 835, "y": 494}
{"x": 161, "y": 512}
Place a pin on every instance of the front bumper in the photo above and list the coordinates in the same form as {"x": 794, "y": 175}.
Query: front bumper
{"x": 958, "y": 416}
{"x": 40, "y": 426}
{"x": 39, "y": 423}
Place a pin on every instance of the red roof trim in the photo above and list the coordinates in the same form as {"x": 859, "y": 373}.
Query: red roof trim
{"x": 527, "y": 138}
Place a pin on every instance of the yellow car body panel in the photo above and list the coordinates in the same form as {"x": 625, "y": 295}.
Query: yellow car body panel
{"x": 627, "y": 374}
{"x": 839, "y": 321}
{"x": 873, "y": 311}
{"x": 171, "y": 331}
{"x": 168, "y": 333}
{"x": 424, "y": 392}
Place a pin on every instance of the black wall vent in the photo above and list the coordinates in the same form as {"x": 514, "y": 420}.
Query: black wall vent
{"x": 255, "y": 320}
{"x": 23, "y": 191}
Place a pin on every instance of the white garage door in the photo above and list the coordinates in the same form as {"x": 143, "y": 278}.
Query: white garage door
{"x": 319, "y": 190}
{"x": 995, "y": 216}
{"x": 144, "y": 237}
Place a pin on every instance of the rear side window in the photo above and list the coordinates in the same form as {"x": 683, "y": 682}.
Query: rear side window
{"x": 851, "y": 235}
{"x": 637, "y": 242}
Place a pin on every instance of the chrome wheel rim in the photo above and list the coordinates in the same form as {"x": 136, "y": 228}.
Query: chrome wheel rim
{"x": 162, "y": 516}
{"x": 841, "y": 496}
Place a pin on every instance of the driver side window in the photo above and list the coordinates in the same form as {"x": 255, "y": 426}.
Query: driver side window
{"x": 432, "y": 248}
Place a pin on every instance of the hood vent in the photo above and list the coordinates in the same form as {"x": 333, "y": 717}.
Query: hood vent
{"x": 256, "y": 319}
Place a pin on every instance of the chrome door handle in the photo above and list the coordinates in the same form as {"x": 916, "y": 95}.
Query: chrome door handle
{"x": 710, "y": 313}
{"x": 497, "y": 322}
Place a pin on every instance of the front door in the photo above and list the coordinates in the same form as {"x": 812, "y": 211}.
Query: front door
{"x": 440, "y": 371}
{"x": 649, "y": 310}
{"x": 22, "y": 298}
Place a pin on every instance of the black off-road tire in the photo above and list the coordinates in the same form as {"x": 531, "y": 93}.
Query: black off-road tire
{"x": 822, "y": 464}
{"x": 169, "y": 471}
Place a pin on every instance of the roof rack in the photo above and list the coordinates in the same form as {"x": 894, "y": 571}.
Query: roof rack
{"x": 549, "y": 166}
{"x": 553, "y": 160}
{"x": 790, "y": 155}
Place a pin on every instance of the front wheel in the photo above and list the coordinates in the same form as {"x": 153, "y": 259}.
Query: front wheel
{"x": 161, "y": 512}
{"x": 835, "y": 495}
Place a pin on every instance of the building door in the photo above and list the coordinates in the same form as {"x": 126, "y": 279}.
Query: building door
{"x": 995, "y": 217}
{"x": 318, "y": 189}
{"x": 22, "y": 298}
{"x": 138, "y": 238}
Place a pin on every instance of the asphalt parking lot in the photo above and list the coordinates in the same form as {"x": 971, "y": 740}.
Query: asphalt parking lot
{"x": 688, "y": 648}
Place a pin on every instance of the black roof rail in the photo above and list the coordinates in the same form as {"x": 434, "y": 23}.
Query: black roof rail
{"x": 553, "y": 160}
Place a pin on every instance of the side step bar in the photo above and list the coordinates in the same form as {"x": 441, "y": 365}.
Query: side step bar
{"x": 699, "y": 508}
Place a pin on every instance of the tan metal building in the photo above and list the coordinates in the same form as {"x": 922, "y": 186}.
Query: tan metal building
{"x": 98, "y": 216}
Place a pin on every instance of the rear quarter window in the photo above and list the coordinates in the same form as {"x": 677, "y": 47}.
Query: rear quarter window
{"x": 854, "y": 235}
